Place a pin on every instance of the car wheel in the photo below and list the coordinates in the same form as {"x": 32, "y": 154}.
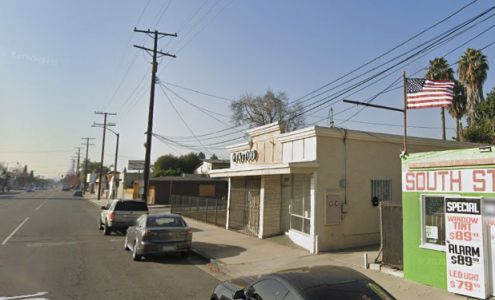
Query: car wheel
{"x": 106, "y": 229}
{"x": 135, "y": 256}
{"x": 184, "y": 254}
{"x": 126, "y": 246}
{"x": 100, "y": 226}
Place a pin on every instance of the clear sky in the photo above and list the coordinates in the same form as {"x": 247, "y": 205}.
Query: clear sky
{"x": 62, "y": 60}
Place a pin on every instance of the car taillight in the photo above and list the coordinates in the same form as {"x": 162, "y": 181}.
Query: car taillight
{"x": 149, "y": 235}
{"x": 189, "y": 231}
{"x": 111, "y": 215}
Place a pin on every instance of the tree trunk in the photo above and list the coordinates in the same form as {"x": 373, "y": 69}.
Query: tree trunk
{"x": 460, "y": 136}
{"x": 442, "y": 113}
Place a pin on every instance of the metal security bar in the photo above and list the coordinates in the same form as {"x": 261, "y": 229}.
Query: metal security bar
{"x": 209, "y": 210}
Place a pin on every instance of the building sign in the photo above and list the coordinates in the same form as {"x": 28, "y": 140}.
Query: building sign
{"x": 245, "y": 156}
{"x": 455, "y": 181}
{"x": 488, "y": 208}
{"x": 136, "y": 165}
{"x": 464, "y": 247}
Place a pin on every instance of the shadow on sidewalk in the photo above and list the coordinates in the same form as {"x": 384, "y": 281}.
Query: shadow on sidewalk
{"x": 217, "y": 251}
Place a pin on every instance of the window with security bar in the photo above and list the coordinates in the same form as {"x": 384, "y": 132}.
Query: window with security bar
{"x": 381, "y": 189}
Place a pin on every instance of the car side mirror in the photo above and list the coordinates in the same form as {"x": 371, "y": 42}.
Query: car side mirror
{"x": 103, "y": 207}
{"x": 239, "y": 295}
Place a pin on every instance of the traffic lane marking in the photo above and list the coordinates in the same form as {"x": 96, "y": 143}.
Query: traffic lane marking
{"x": 37, "y": 208}
{"x": 50, "y": 244}
{"x": 32, "y": 296}
{"x": 15, "y": 230}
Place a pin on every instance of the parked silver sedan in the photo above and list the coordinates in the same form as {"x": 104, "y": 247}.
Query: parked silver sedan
{"x": 158, "y": 234}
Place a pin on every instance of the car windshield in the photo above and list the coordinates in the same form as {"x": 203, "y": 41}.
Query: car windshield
{"x": 356, "y": 290}
{"x": 165, "y": 221}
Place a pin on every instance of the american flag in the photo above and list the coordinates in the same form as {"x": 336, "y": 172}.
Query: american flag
{"x": 424, "y": 93}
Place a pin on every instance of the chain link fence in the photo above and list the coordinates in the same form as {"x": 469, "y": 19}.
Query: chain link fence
{"x": 209, "y": 210}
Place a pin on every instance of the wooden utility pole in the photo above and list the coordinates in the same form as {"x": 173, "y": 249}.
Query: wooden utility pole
{"x": 154, "y": 53}
{"x": 105, "y": 114}
{"x": 87, "y": 144}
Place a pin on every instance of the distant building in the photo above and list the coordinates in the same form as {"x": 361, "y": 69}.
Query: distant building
{"x": 212, "y": 164}
{"x": 162, "y": 188}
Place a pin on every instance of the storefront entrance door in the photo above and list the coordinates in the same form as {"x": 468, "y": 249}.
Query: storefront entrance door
{"x": 245, "y": 204}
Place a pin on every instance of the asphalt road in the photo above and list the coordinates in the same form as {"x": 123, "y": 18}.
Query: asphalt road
{"x": 50, "y": 248}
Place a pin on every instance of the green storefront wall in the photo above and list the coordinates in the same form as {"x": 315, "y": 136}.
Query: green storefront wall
{"x": 424, "y": 265}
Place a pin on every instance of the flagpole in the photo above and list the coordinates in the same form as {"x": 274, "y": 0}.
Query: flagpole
{"x": 405, "y": 113}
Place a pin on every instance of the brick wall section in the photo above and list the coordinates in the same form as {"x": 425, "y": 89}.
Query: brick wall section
{"x": 271, "y": 216}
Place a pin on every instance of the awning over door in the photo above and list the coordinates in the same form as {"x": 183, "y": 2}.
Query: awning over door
{"x": 273, "y": 169}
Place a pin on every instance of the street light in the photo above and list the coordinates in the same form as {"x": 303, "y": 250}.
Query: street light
{"x": 115, "y": 182}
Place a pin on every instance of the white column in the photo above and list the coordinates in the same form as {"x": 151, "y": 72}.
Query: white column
{"x": 262, "y": 208}
{"x": 227, "y": 220}
{"x": 312, "y": 231}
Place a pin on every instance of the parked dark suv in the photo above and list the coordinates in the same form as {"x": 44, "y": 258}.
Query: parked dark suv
{"x": 119, "y": 214}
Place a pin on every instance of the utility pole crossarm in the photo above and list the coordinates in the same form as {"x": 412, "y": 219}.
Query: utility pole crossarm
{"x": 373, "y": 105}
{"x": 159, "y": 52}
{"x": 157, "y": 32}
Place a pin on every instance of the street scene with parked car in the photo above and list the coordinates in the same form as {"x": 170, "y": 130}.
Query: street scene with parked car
{"x": 222, "y": 149}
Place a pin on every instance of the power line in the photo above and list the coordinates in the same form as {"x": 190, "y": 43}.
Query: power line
{"x": 183, "y": 121}
{"x": 388, "y": 51}
{"x": 198, "y": 92}
{"x": 427, "y": 46}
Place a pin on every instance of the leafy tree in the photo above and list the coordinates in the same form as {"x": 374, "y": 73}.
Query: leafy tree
{"x": 482, "y": 129}
{"x": 261, "y": 110}
{"x": 213, "y": 156}
{"x": 440, "y": 69}
{"x": 94, "y": 167}
{"x": 472, "y": 69}
{"x": 201, "y": 155}
{"x": 458, "y": 108}
{"x": 170, "y": 165}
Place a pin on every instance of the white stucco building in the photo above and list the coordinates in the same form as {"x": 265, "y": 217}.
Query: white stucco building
{"x": 316, "y": 184}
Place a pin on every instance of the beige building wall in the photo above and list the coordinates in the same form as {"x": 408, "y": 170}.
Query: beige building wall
{"x": 346, "y": 168}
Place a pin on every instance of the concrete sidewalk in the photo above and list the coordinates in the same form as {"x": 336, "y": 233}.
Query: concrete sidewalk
{"x": 234, "y": 254}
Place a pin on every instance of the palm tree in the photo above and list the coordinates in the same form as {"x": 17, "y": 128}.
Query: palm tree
{"x": 458, "y": 108}
{"x": 472, "y": 70}
{"x": 440, "y": 69}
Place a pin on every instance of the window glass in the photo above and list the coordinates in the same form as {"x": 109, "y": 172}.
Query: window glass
{"x": 434, "y": 220}
{"x": 356, "y": 290}
{"x": 163, "y": 221}
{"x": 131, "y": 206}
{"x": 300, "y": 207}
{"x": 268, "y": 289}
{"x": 142, "y": 222}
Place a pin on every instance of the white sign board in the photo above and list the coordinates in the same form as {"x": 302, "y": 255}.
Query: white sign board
{"x": 451, "y": 181}
{"x": 135, "y": 165}
{"x": 464, "y": 247}
{"x": 489, "y": 220}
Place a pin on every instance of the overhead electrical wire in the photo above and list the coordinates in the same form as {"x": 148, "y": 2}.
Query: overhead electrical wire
{"x": 389, "y": 51}
{"x": 427, "y": 45}
{"x": 183, "y": 120}
{"x": 199, "y": 92}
